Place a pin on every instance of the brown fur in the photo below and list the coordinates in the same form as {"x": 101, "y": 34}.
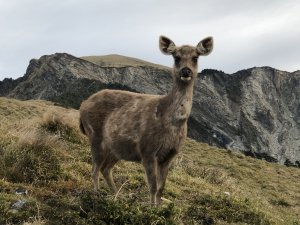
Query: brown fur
{"x": 149, "y": 129}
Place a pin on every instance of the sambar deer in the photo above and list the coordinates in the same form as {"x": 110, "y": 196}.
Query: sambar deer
{"x": 149, "y": 129}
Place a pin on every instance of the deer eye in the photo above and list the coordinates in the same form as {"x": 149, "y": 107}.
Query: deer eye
{"x": 195, "y": 59}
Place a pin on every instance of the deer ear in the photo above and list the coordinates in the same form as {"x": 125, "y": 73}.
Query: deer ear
{"x": 166, "y": 45}
{"x": 205, "y": 46}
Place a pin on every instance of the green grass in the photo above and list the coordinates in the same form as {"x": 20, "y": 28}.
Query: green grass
{"x": 208, "y": 209}
{"x": 42, "y": 151}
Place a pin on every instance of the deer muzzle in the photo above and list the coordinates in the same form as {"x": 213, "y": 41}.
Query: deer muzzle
{"x": 186, "y": 74}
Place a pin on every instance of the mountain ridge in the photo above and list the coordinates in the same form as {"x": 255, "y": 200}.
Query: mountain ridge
{"x": 115, "y": 60}
{"x": 255, "y": 110}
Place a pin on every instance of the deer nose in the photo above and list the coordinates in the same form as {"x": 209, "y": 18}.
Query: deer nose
{"x": 186, "y": 72}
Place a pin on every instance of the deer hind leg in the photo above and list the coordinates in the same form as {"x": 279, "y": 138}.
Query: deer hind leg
{"x": 97, "y": 159}
{"x": 95, "y": 176}
{"x": 106, "y": 170}
{"x": 150, "y": 165}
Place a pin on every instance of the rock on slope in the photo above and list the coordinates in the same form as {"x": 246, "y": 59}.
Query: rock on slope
{"x": 256, "y": 110}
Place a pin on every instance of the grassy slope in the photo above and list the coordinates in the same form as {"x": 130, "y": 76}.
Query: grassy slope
{"x": 42, "y": 151}
{"x": 120, "y": 61}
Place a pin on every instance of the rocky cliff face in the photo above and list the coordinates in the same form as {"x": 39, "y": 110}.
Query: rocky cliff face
{"x": 256, "y": 111}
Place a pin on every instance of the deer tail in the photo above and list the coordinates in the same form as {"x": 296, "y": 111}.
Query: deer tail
{"x": 81, "y": 126}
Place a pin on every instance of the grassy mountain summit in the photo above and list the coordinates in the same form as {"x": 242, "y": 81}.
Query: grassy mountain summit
{"x": 115, "y": 60}
{"x": 43, "y": 154}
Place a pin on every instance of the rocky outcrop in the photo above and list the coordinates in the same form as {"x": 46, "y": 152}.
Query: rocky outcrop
{"x": 256, "y": 111}
{"x": 8, "y": 84}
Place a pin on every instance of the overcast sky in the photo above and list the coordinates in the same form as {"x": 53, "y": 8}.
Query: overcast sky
{"x": 246, "y": 33}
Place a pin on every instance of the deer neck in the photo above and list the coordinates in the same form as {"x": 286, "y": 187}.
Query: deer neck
{"x": 176, "y": 106}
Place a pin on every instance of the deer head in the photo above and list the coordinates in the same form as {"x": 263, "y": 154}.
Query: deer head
{"x": 185, "y": 67}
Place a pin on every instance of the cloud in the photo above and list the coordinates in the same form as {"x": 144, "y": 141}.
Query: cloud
{"x": 247, "y": 33}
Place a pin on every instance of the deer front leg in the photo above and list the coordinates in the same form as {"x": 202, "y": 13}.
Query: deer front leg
{"x": 150, "y": 166}
{"x": 162, "y": 172}
{"x": 161, "y": 181}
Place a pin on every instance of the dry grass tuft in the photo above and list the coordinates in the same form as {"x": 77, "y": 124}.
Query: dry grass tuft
{"x": 62, "y": 126}
{"x": 213, "y": 175}
{"x": 33, "y": 160}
